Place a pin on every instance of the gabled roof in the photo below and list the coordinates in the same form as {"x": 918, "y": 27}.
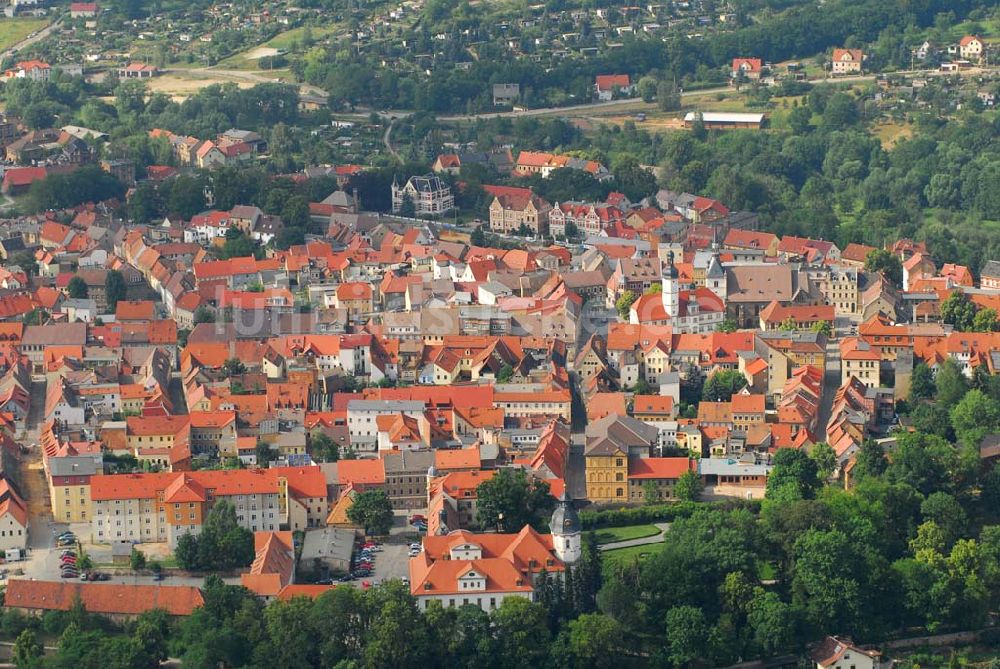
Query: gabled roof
{"x": 102, "y": 598}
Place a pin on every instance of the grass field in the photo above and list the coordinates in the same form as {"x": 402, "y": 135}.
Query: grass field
{"x": 626, "y": 556}
{"x": 890, "y": 133}
{"x": 13, "y": 31}
{"x": 250, "y": 59}
{"x": 612, "y": 534}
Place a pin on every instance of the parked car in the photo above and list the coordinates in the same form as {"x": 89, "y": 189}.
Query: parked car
{"x": 415, "y": 518}
{"x": 67, "y": 574}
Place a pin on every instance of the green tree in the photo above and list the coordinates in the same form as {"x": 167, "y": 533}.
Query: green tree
{"x": 823, "y": 328}
{"x": 372, "y": 510}
{"x": 633, "y": 180}
{"x": 825, "y": 584}
{"x": 647, "y": 89}
{"x": 792, "y": 467}
{"x": 323, "y": 448}
{"x": 870, "y": 460}
{"x": 947, "y": 513}
{"x": 406, "y": 207}
{"x": 689, "y": 487}
{"x": 986, "y": 320}
{"x": 975, "y": 416}
{"x": 722, "y": 385}
{"x": 772, "y": 622}
{"x": 921, "y": 383}
{"x": 522, "y": 634}
{"x": 234, "y": 367}
{"x": 203, "y": 315}
{"x": 958, "y": 310}
{"x": 788, "y": 325}
{"x": 624, "y": 304}
{"x": 398, "y": 636}
{"x": 295, "y": 213}
{"x": 511, "y": 499}
{"x": 222, "y": 545}
{"x": 668, "y": 98}
{"x": 727, "y": 325}
{"x": 114, "y": 288}
{"x": 27, "y": 652}
{"x": 841, "y": 112}
{"x": 650, "y": 492}
{"x": 505, "y": 374}
{"x": 596, "y": 640}
{"x": 687, "y": 635}
{"x": 880, "y": 260}
{"x": 186, "y": 197}
{"x": 137, "y": 560}
{"x": 263, "y": 453}
{"x": 799, "y": 119}
{"x": 478, "y": 236}
{"x": 951, "y": 383}
{"x": 926, "y": 462}
{"x": 825, "y": 458}
{"x": 77, "y": 288}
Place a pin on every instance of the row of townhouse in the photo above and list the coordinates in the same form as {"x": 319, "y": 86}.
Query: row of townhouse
{"x": 162, "y": 507}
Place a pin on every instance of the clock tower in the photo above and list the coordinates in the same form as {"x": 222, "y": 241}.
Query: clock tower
{"x": 566, "y": 534}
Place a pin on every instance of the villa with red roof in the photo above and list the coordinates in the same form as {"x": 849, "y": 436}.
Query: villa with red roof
{"x": 608, "y": 86}
{"x": 513, "y": 207}
{"x": 463, "y": 568}
{"x": 748, "y": 68}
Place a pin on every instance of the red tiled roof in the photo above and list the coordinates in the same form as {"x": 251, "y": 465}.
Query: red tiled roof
{"x": 660, "y": 468}
{"x": 102, "y": 598}
{"x": 607, "y": 82}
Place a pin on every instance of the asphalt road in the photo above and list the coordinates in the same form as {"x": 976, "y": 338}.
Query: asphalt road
{"x": 612, "y": 104}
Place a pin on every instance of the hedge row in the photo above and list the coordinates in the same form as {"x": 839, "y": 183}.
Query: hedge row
{"x": 656, "y": 513}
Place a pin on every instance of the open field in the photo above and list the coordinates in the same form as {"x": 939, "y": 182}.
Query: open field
{"x": 13, "y": 31}
{"x": 183, "y": 86}
{"x": 891, "y": 133}
{"x": 250, "y": 59}
{"x": 626, "y": 556}
{"x": 612, "y": 534}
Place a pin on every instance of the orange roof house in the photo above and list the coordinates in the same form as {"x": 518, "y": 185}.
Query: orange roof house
{"x": 273, "y": 566}
{"x": 748, "y": 67}
{"x": 108, "y": 599}
{"x": 497, "y": 565}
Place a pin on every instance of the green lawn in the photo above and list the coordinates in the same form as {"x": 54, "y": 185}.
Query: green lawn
{"x": 289, "y": 37}
{"x": 626, "y": 556}
{"x": 13, "y": 31}
{"x": 611, "y": 534}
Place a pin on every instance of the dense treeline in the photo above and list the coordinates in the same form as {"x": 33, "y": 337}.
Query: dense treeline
{"x": 800, "y": 31}
{"x": 89, "y": 183}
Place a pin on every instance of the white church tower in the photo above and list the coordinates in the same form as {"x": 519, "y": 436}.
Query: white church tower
{"x": 567, "y": 538}
{"x": 671, "y": 293}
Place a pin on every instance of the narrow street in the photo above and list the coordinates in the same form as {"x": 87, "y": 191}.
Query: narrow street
{"x": 34, "y": 488}
{"x": 831, "y": 382}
